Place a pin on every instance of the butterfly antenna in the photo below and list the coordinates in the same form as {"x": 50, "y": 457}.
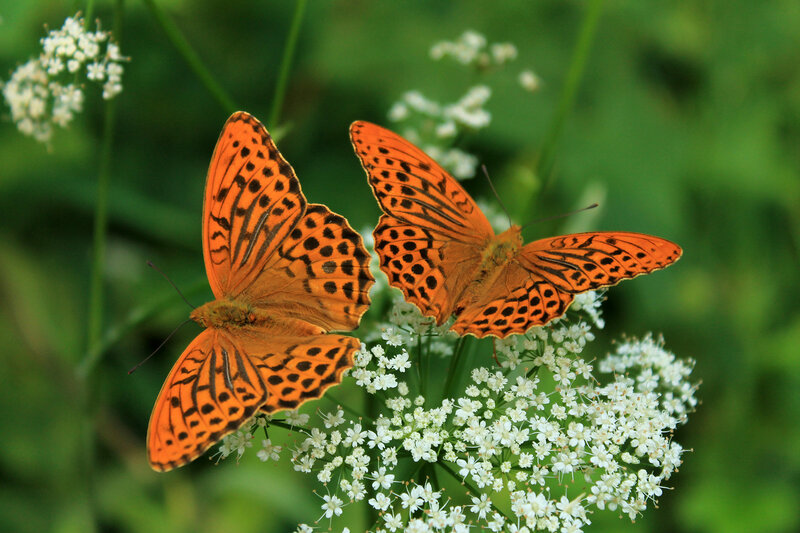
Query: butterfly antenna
{"x": 486, "y": 173}
{"x": 561, "y": 215}
{"x": 132, "y": 370}
{"x": 151, "y": 265}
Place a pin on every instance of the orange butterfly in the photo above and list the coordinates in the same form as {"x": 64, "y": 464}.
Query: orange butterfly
{"x": 284, "y": 273}
{"x": 439, "y": 249}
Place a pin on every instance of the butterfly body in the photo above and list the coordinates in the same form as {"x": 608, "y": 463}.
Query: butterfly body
{"x": 284, "y": 274}
{"x": 436, "y": 246}
{"x": 227, "y": 313}
{"x": 501, "y": 249}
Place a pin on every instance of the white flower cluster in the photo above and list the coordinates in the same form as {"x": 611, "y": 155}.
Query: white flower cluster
{"x": 471, "y": 49}
{"x": 540, "y": 443}
{"x": 43, "y": 92}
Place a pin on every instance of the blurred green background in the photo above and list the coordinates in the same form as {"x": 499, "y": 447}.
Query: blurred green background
{"x": 686, "y": 125}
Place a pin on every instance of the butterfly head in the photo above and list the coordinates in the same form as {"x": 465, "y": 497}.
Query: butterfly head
{"x": 224, "y": 313}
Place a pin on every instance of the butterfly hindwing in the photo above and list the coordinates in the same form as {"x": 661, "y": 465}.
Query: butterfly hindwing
{"x": 253, "y": 201}
{"x": 512, "y": 304}
{"x": 300, "y": 369}
{"x": 213, "y": 388}
{"x": 541, "y": 282}
{"x": 584, "y": 261}
{"x": 411, "y": 259}
{"x": 320, "y": 273}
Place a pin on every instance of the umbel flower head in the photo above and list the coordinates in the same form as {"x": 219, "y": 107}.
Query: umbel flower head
{"x": 47, "y": 90}
{"x": 538, "y": 443}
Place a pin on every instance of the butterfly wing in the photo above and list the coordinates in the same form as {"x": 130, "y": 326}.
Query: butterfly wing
{"x": 212, "y": 389}
{"x": 432, "y": 233}
{"x": 542, "y": 281}
{"x": 224, "y": 377}
{"x": 320, "y": 274}
{"x": 302, "y": 369}
{"x": 252, "y": 202}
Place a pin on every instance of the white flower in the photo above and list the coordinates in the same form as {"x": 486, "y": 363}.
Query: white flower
{"x": 481, "y": 506}
{"x": 269, "y": 451}
{"x": 295, "y": 418}
{"x": 411, "y": 500}
{"x": 503, "y": 52}
{"x": 529, "y": 80}
{"x": 355, "y": 436}
{"x": 446, "y": 129}
{"x": 333, "y": 419}
{"x": 398, "y": 112}
{"x": 382, "y": 479}
{"x": 392, "y": 336}
{"x": 416, "y": 101}
{"x": 380, "y": 502}
{"x": 332, "y": 506}
{"x": 393, "y": 521}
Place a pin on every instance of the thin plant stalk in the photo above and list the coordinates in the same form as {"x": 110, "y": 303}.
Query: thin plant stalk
{"x": 95, "y": 311}
{"x": 189, "y": 55}
{"x": 89, "y": 13}
{"x": 286, "y": 63}
{"x": 580, "y": 55}
{"x": 95, "y": 320}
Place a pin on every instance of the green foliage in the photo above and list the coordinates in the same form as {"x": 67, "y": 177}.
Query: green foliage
{"x": 686, "y": 125}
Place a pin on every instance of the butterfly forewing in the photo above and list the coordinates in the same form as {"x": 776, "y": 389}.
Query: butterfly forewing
{"x": 253, "y": 200}
{"x": 413, "y": 188}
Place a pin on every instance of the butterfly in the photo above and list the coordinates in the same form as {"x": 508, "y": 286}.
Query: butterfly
{"x": 438, "y": 248}
{"x": 284, "y": 273}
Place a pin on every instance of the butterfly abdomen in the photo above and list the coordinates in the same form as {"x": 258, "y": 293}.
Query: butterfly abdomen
{"x": 226, "y": 313}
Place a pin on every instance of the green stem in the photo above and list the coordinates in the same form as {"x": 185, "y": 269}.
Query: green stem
{"x": 286, "y": 63}
{"x": 86, "y": 395}
{"x": 544, "y": 164}
{"x": 88, "y": 15}
{"x": 190, "y": 56}
{"x": 95, "y": 320}
{"x": 434, "y": 477}
{"x": 420, "y": 370}
{"x": 453, "y": 369}
{"x": 371, "y": 404}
